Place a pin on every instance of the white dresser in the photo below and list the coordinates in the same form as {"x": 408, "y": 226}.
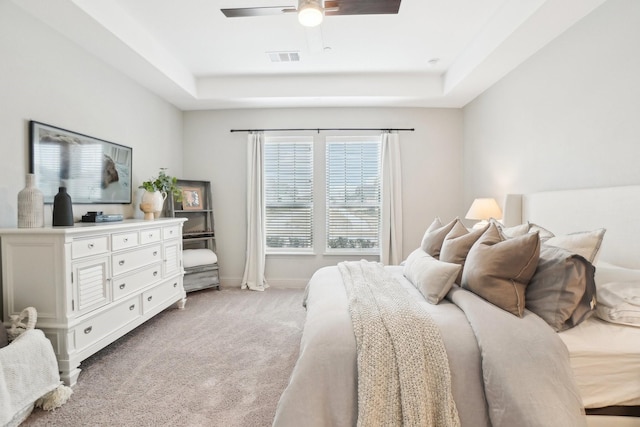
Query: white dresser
{"x": 91, "y": 283}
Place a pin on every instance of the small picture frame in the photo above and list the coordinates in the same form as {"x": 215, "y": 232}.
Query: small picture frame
{"x": 192, "y": 199}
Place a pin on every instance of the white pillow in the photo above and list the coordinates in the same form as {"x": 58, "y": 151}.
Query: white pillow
{"x": 511, "y": 232}
{"x": 433, "y": 278}
{"x": 196, "y": 257}
{"x": 619, "y": 302}
{"x": 586, "y": 243}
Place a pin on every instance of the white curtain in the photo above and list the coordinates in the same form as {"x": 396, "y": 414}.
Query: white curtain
{"x": 391, "y": 230}
{"x": 253, "y": 278}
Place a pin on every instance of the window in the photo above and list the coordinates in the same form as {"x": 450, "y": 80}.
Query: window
{"x": 288, "y": 178}
{"x": 353, "y": 193}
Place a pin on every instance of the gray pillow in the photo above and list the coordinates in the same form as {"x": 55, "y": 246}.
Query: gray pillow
{"x": 499, "y": 270}
{"x": 457, "y": 244}
{"x": 433, "y": 278}
{"x": 4, "y": 340}
{"x": 434, "y": 236}
{"x": 562, "y": 291}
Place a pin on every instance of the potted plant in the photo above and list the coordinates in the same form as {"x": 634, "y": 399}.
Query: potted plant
{"x": 156, "y": 191}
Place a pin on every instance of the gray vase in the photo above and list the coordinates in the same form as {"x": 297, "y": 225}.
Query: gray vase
{"x": 62, "y": 208}
{"x": 30, "y": 205}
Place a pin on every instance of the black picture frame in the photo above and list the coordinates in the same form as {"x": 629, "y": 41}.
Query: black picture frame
{"x": 93, "y": 170}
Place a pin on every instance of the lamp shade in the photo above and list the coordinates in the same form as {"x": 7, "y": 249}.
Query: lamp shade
{"x": 310, "y": 12}
{"x": 483, "y": 209}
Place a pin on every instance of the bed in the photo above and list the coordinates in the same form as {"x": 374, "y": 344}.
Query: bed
{"x": 560, "y": 369}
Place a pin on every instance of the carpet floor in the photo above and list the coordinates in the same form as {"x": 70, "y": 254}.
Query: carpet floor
{"x": 222, "y": 361}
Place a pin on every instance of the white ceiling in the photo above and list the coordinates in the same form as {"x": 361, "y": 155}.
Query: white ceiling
{"x": 189, "y": 53}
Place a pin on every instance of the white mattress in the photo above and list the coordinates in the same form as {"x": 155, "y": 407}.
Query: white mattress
{"x": 606, "y": 361}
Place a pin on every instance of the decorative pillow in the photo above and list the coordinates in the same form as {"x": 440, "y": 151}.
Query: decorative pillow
{"x": 586, "y": 243}
{"x": 528, "y": 227}
{"x": 457, "y": 244}
{"x": 619, "y": 302}
{"x": 434, "y": 236}
{"x": 499, "y": 270}
{"x": 515, "y": 231}
{"x": 562, "y": 290}
{"x": 433, "y": 278}
{"x": 542, "y": 232}
{"x": 4, "y": 340}
{"x": 437, "y": 223}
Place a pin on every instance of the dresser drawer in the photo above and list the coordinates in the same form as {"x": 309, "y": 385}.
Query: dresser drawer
{"x": 161, "y": 293}
{"x": 92, "y": 330}
{"x": 124, "y": 240}
{"x": 151, "y": 235}
{"x": 124, "y": 285}
{"x": 128, "y": 261}
{"x": 171, "y": 232}
{"x": 89, "y": 246}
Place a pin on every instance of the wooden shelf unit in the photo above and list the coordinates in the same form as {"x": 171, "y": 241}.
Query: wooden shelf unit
{"x": 198, "y": 231}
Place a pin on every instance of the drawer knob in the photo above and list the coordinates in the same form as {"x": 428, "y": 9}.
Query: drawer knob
{"x": 150, "y": 298}
{"x": 90, "y": 245}
{"x": 126, "y": 239}
{"x": 123, "y": 286}
{"x": 155, "y": 273}
{"x": 150, "y": 235}
{"x": 132, "y": 306}
{"x": 155, "y": 253}
{"x": 121, "y": 262}
{"x": 170, "y": 231}
{"x": 175, "y": 285}
{"x": 88, "y": 330}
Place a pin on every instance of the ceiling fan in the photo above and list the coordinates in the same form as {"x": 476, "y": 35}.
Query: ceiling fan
{"x": 310, "y": 12}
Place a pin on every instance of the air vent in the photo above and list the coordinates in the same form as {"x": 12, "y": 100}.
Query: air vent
{"x": 293, "y": 56}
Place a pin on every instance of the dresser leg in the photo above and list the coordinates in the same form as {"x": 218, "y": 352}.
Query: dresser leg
{"x": 70, "y": 378}
{"x": 181, "y": 303}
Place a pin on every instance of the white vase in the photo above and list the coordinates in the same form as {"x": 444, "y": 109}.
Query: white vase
{"x": 151, "y": 203}
{"x": 30, "y": 205}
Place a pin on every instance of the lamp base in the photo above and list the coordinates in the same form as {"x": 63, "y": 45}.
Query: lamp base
{"x": 480, "y": 224}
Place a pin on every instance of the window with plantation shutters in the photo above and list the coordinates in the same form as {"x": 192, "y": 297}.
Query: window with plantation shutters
{"x": 353, "y": 193}
{"x": 288, "y": 179}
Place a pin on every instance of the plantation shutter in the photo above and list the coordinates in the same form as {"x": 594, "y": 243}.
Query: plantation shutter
{"x": 288, "y": 170}
{"x": 353, "y": 193}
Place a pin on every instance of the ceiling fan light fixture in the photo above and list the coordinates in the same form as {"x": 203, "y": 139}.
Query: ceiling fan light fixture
{"x": 310, "y": 12}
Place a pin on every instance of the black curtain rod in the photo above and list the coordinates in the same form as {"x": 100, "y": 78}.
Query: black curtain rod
{"x": 321, "y": 129}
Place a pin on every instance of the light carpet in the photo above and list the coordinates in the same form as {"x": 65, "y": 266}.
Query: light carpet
{"x": 222, "y": 361}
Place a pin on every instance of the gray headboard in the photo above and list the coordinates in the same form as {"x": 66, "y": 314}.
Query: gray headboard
{"x": 617, "y": 209}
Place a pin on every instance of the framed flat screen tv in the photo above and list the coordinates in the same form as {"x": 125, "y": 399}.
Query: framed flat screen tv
{"x": 92, "y": 170}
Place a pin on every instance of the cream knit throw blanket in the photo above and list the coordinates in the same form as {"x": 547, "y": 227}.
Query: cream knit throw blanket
{"x": 403, "y": 371}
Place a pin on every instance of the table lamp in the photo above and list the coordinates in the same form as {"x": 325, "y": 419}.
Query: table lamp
{"x": 482, "y": 209}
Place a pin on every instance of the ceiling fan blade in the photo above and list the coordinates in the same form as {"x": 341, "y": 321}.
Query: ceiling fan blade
{"x": 362, "y": 7}
{"x": 331, "y": 7}
{"x": 257, "y": 11}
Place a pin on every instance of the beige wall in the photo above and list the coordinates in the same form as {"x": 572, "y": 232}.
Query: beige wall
{"x": 431, "y": 159}
{"x": 46, "y": 78}
{"x": 569, "y": 117}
